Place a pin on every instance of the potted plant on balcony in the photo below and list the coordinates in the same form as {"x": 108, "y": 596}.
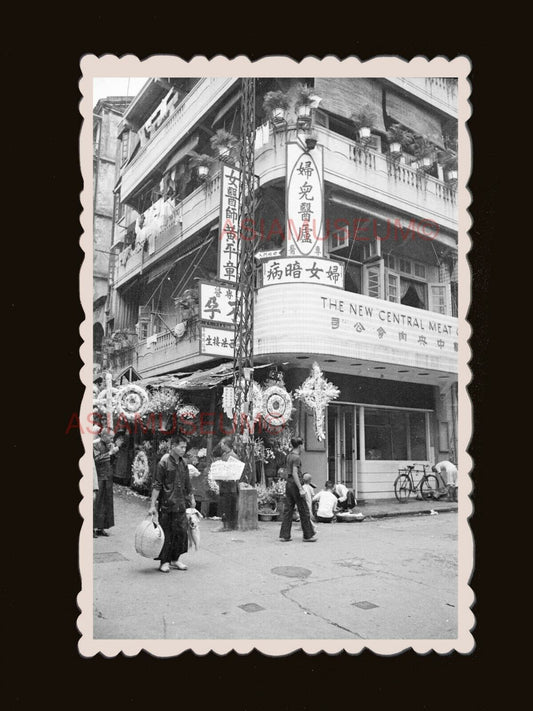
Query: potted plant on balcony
{"x": 424, "y": 152}
{"x": 305, "y": 96}
{"x": 202, "y": 162}
{"x": 398, "y": 138}
{"x": 275, "y": 105}
{"x": 223, "y": 143}
{"x": 364, "y": 121}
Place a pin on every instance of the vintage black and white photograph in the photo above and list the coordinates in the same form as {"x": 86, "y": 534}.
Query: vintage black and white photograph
{"x": 276, "y": 419}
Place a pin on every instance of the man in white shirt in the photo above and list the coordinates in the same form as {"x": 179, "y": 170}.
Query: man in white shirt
{"x": 345, "y": 496}
{"x": 447, "y": 472}
{"x": 327, "y": 503}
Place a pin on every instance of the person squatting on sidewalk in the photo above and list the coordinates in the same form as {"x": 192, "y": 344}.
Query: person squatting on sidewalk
{"x": 295, "y": 496}
{"x": 447, "y": 472}
{"x": 173, "y": 492}
{"x": 345, "y": 496}
{"x": 327, "y": 503}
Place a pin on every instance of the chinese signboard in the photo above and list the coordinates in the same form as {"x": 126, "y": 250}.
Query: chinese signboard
{"x": 305, "y": 202}
{"x": 305, "y": 270}
{"x": 228, "y": 243}
{"x": 216, "y": 341}
{"x": 217, "y": 303}
{"x": 268, "y": 254}
{"x": 312, "y": 319}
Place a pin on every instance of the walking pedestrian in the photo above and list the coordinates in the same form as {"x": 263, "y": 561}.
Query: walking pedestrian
{"x": 171, "y": 496}
{"x": 103, "y": 512}
{"x": 295, "y": 496}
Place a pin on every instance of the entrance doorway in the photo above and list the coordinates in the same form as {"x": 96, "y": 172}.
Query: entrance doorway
{"x": 342, "y": 438}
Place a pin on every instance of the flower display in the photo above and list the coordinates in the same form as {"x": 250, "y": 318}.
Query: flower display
{"x": 163, "y": 400}
{"x": 163, "y": 448}
{"x": 212, "y": 485}
{"x": 202, "y": 453}
{"x": 316, "y": 393}
{"x": 140, "y": 470}
{"x": 100, "y": 402}
{"x": 265, "y": 498}
{"x": 278, "y": 488}
{"x": 187, "y": 412}
{"x": 132, "y": 401}
{"x": 277, "y": 405}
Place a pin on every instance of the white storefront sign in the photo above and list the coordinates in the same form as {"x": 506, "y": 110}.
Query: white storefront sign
{"x": 228, "y": 243}
{"x": 305, "y": 202}
{"x": 303, "y": 270}
{"x": 217, "y": 303}
{"x": 216, "y": 341}
{"x": 320, "y": 319}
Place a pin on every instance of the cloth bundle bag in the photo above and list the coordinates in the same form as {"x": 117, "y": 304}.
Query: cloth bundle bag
{"x": 149, "y": 538}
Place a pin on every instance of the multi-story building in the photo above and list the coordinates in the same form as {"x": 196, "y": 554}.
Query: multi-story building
{"x": 369, "y": 292}
{"x": 106, "y": 117}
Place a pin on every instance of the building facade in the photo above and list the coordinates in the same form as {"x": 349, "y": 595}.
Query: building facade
{"x": 356, "y": 252}
{"x": 106, "y": 117}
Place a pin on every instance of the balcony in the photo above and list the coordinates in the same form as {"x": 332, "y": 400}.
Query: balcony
{"x": 437, "y": 91}
{"x": 356, "y": 330}
{"x": 164, "y": 140}
{"x": 168, "y": 354}
{"x": 369, "y": 174}
{"x": 194, "y": 213}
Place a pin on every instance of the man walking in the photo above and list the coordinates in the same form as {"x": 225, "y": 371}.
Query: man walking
{"x": 295, "y": 496}
{"x": 173, "y": 492}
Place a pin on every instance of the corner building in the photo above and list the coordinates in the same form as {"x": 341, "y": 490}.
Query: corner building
{"x": 372, "y": 299}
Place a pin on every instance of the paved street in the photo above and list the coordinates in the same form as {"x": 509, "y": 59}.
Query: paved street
{"x": 390, "y": 578}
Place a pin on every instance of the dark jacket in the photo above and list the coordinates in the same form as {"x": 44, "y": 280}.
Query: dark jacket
{"x": 173, "y": 481}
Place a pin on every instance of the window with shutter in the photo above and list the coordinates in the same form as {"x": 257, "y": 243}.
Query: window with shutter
{"x": 439, "y": 298}
{"x": 393, "y": 287}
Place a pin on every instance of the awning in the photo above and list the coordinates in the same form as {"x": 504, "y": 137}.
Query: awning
{"x": 199, "y": 380}
{"x": 413, "y": 116}
{"x": 346, "y": 96}
{"x": 227, "y": 106}
{"x": 181, "y": 153}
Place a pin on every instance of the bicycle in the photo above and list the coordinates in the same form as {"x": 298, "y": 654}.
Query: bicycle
{"x": 428, "y": 485}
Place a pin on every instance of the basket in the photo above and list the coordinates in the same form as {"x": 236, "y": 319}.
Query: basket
{"x": 350, "y": 517}
{"x": 149, "y": 538}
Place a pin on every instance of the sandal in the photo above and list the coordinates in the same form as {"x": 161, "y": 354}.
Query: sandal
{"x": 164, "y": 568}
{"x": 178, "y": 566}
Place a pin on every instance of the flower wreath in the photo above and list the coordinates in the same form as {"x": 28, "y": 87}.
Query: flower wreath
{"x": 187, "y": 412}
{"x": 132, "y": 401}
{"x": 140, "y": 470}
{"x": 277, "y": 406}
{"x": 100, "y": 401}
{"x": 316, "y": 393}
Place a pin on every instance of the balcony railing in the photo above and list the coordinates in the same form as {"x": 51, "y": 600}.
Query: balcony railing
{"x": 184, "y": 118}
{"x": 167, "y": 353}
{"x": 192, "y": 214}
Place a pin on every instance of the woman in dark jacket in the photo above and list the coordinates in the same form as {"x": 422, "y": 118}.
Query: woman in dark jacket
{"x": 103, "y": 514}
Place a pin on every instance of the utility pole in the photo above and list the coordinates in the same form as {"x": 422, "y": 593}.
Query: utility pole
{"x": 243, "y": 360}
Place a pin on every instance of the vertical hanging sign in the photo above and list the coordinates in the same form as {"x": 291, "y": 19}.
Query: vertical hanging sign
{"x": 304, "y": 202}
{"x": 228, "y": 243}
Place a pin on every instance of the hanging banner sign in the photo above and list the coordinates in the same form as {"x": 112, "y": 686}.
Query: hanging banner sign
{"x": 216, "y": 341}
{"x": 228, "y": 242}
{"x": 217, "y": 303}
{"x": 304, "y": 202}
{"x": 304, "y": 270}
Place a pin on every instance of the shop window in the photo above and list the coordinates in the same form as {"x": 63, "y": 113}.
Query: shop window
{"x": 395, "y": 435}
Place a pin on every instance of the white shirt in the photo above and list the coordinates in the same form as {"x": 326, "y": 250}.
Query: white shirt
{"x": 308, "y": 489}
{"x": 342, "y": 491}
{"x": 327, "y": 503}
{"x": 448, "y": 471}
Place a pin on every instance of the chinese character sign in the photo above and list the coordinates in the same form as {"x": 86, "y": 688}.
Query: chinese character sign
{"x": 216, "y": 341}
{"x": 217, "y": 303}
{"x": 228, "y": 243}
{"x": 305, "y": 270}
{"x": 305, "y": 202}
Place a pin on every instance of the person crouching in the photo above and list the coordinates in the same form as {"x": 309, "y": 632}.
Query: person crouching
{"x": 327, "y": 504}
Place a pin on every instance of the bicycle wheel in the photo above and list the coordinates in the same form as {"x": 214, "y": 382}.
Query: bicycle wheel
{"x": 429, "y": 487}
{"x": 402, "y": 488}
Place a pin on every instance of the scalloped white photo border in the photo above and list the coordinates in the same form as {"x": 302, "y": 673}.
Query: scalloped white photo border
{"x": 330, "y": 66}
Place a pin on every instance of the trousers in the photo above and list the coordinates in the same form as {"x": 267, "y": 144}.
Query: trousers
{"x": 292, "y": 500}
